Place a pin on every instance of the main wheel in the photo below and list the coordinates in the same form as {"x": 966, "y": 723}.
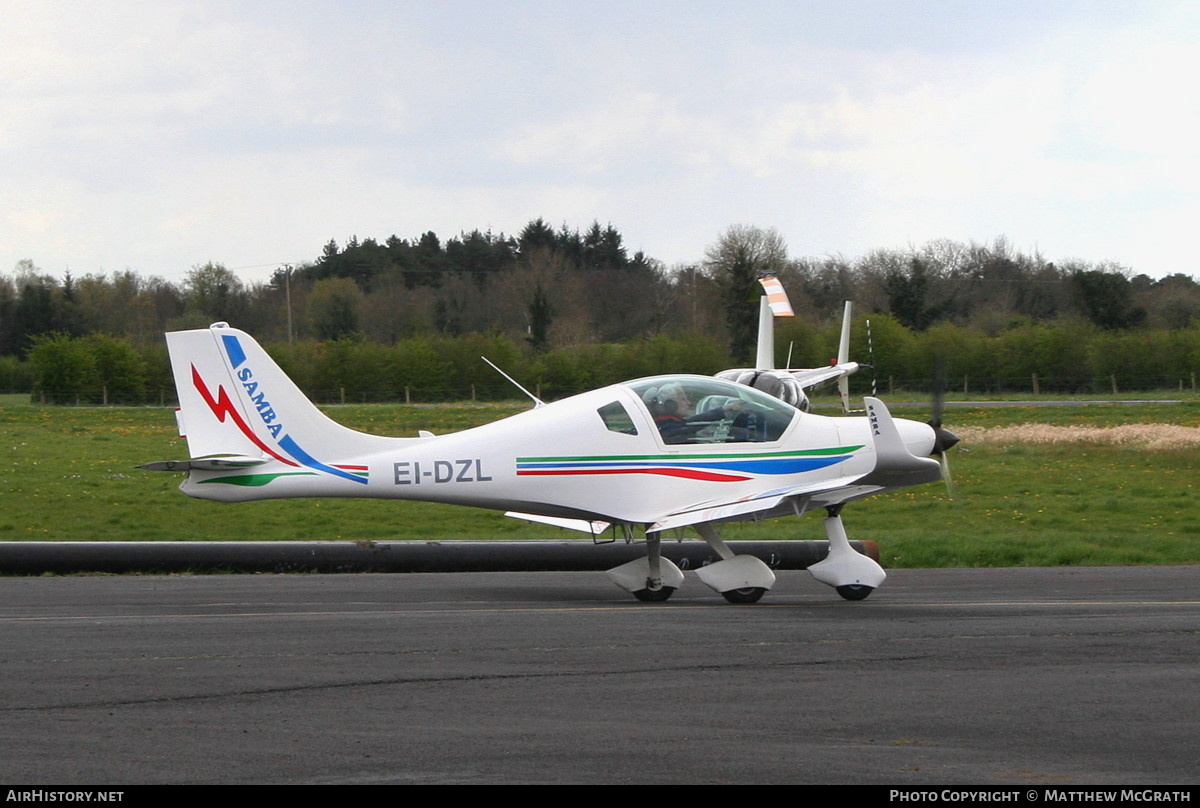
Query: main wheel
{"x": 749, "y": 594}
{"x": 654, "y": 595}
{"x": 855, "y": 591}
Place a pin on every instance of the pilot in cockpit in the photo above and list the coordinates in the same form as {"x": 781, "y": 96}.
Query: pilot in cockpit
{"x": 674, "y": 414}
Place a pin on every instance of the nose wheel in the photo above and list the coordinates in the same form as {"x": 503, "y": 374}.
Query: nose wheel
{"x": 852, "y": 574}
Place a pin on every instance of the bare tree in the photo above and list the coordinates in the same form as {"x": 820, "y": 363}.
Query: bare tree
{"x": 736, "y": 261}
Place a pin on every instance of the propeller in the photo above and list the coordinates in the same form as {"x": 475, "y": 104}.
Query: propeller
{"x": 943, "y": 439}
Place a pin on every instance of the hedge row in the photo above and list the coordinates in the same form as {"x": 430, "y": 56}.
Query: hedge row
{"x": 1059, "y": 357}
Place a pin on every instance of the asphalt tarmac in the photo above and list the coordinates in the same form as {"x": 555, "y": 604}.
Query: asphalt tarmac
{"x": 999, "y": 676}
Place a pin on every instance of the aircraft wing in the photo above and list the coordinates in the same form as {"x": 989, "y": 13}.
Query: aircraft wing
{"x": 825, "y": 492}
{"x": 759, "y": 504}
{"x": 811, "y": 377}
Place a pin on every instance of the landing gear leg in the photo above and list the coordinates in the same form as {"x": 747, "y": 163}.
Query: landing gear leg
{"x": 739, "y": 578}
{"x": 652, "y": 579}
{"x": 851, "y": 573}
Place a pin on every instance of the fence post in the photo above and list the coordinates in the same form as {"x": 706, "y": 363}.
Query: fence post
{"x": 1036, "y": 389}
{"x": 407, "y": 399}
{"x": 1113, "y": 378}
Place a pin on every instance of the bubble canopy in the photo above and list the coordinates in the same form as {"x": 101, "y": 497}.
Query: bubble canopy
{"x": 702, "y": 409}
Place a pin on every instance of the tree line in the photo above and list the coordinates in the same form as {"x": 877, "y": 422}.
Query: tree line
{"x": 561, "y": 307}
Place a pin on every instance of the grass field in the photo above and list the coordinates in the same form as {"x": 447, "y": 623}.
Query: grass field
{"x": 68, "y": 474}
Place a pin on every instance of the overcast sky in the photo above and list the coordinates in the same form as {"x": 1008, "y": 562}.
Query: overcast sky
{"x": 156, "y": 136}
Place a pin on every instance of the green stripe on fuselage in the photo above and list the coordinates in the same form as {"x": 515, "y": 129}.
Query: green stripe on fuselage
{"x": 689, "y": 456}
{"x": 256, "y": 479}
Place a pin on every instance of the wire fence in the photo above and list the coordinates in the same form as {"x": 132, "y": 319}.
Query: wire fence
{"x": 1033, "y": 384}
{"x": 861, "y": 384}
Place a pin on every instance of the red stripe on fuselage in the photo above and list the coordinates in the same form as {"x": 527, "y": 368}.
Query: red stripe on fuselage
{"x": 690, "y": 474}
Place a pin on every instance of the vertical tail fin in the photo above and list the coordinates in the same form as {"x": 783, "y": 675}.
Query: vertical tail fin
{"x": 236, "y": 401}
{"x": 844, "y": 355}
{"x": 774, "y": 303}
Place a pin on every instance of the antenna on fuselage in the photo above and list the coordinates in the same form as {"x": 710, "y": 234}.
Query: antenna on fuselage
{"x": 537, "y": 402}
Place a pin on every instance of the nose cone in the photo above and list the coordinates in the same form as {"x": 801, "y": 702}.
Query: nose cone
{"x": 943, "y": 439}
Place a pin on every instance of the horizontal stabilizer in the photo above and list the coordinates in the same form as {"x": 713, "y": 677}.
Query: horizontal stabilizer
{"x": 815, "y": 376}
{"x": 212, "y": 463}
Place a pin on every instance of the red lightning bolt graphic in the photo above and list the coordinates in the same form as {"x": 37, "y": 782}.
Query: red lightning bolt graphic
{"x": 221, "y": 406}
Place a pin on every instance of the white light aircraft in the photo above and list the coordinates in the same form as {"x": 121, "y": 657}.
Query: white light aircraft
{"x": 638, "y": 456}
{"x": 789, "y": 384}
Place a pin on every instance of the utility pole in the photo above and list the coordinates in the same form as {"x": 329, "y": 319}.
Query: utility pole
{"x": 287, "y": 286}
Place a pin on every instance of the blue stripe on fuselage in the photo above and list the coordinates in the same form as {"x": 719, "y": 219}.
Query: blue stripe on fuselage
{"x": 788, "y": 465}
{"x": 304, "y": 457}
